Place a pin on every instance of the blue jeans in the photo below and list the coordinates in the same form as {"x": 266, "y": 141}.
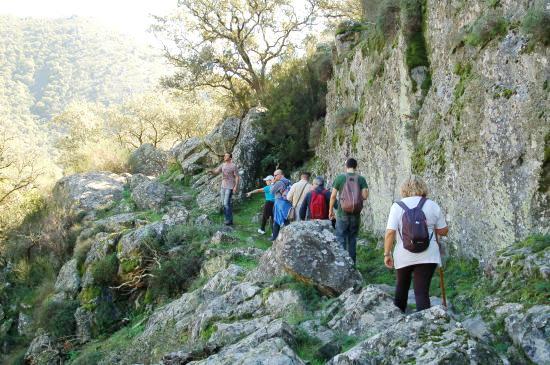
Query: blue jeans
{"x": 227, "y": 203}
{"x": 347, "y": 228}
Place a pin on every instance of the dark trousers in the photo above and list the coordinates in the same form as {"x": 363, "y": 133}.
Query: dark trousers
{"x": 276, "y": 229}
{"x": 347, "y": 228}
{"x": 267, "y": 213}
{"x": 422, "y": 276}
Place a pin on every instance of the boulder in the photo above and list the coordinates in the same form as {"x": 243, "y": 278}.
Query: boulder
{"x": 531, "y": 331}
{"x": 133, "y": 246}
{"x": 221, "y": 237}
{"x": 175, "y": 214}
{"x": 148, "y": 160}
{"x": 186, "y": 148}
{"x": 426, "y": 337}
{"x": 222, "y": 138}
{"x": 208, "y": 199}
{"x": 42, "y": 351}
{"x": 137, "y": 179}
{"x": 245, "y": 152}
{"x": 84, "y": 320}
{"x": 102, "y": 245}
{"x": 202, "y": 220}
{"x": 117, "y": 222}
{"x": 150, "y": 195}
{"x": 309, "y": 252}
{"x": 86, "y": 192}
{"x": 362, "y": 314}
{"x": 279, "y": 302}
{"x": 68, "y": 279}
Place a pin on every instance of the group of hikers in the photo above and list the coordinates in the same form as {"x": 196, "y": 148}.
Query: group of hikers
{"x": 411, "y": 244}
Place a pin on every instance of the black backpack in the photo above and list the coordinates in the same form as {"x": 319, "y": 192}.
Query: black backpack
{"x": 414, "y": 228}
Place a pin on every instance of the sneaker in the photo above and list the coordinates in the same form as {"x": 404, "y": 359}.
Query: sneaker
{"x": 260, "y": 231}
{"x": 271, "y": 239}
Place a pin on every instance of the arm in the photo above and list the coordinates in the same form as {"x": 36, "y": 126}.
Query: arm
{"x": 331, "y": 204}
{"x": 255, "y": 192}
{"x": 291, "y": 193}
{"x": 365, "y": 193}
{"x": 442, "y": 231}
{"x": 388, "y": 247}
{"x": 237, "y": 180}
{"x": 215, "y": 171}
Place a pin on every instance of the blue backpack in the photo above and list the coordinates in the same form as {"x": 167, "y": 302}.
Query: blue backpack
{"x": 414, "y": 228}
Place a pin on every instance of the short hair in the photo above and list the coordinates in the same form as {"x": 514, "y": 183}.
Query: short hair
{"x": 413, "y": 186}
{"x": 230, "y": 154}
{"x": 278, "y": 172}
{"x": 305, "y": 173}
{"x": 319, "y": 181}
{"x": 351, "y": 163}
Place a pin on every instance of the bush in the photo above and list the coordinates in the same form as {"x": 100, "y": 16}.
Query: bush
{"x": 296, "y": 98}
{"x": 175, "y": 275}
{"x": 57, "y": 318}
{"x": 181, "y": 233}
{"x": 537, "y": 23}
{"x": 484, "y": 29}
{"x": 105, "y": 270}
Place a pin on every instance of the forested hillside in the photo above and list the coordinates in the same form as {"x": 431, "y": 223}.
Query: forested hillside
{"x": 47, "y": 63}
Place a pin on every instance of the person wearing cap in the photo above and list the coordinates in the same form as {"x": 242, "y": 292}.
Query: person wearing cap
{"x": 316, "y": 202}
{"x": 269, "y": 202}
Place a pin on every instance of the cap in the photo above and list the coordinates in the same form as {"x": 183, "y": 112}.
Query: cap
{"x": 268, "y": 178}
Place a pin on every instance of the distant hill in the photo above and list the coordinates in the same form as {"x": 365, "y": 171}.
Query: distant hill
{"x": 47, "y": 63}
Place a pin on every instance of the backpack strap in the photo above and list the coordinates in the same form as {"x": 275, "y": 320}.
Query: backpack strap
{"x": 403, "y": 205}
{"x": 421, "y": 202}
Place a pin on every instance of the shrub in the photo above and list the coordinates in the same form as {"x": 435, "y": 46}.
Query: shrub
{"x": 106, "y": 316}
{"x": 57, "y": 317}
{"x": 486, "y": 28}
{"x": 105, "y": 270}
{"x": 175, "y": 275}
{"x": 537, "y": 23}
{"x": 180, "y": 234}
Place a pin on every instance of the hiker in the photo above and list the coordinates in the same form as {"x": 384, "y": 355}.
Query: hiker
{"x": 282, "y": 206}
{"x": 350, "y": 189}
{"x": 417, "y": 220}
{"x": 268, "y": 205}
{"x": 297, "y": 194}
{"x": 230, "y": 183}
{"x": 316, "y": 203}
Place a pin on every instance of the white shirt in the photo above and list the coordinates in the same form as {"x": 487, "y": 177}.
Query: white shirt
{"x": 297, "y": 193}
{"x": 434, "y": 218}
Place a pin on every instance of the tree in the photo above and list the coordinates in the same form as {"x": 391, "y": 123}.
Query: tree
{"x": 337, "y": 10}
{"x": 231, "y": 44}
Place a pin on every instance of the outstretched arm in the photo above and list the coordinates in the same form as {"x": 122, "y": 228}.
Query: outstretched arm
{"x": 255, "y": 192}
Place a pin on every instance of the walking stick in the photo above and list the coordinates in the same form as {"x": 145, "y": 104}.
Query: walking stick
{"x": 441, "y": 277}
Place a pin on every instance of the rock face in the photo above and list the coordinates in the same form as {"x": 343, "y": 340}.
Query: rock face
{"x": 477, "y": 136}
{"x": 531, "y": 332}
{"x": 427, "y": 337}
{"x": 309, "y": 251}
{"x": 87, "y": 192}
{"x": 148, "y": 160}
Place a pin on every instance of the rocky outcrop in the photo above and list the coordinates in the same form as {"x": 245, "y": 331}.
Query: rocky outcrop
{"x": 531, "y": 332}
{"x": 148, "y": 160}
{"x": 42, "y": 351}
{"x": 427, "y": 337}
{"x": 68, "y": 279}
{"x": 476, "y": 133}
{"x": 309, "y": 252}
{"x": 88, "y": 192}
{"x": 231, "y": 135}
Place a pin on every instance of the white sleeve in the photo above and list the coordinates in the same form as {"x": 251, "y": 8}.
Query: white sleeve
{"x": 393, "y": 219}
{"x": 291, "y": 192}
{"x": 440, "y": 222}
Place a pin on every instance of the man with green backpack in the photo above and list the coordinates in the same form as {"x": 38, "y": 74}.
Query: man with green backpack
{"x": 351, "y": 190}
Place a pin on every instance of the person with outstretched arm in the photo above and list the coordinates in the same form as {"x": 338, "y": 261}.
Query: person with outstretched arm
{"x": 230, "y": 184}
{"x": 268, "y": 205}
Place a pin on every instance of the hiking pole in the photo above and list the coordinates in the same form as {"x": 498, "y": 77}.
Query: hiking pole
{"x": 441, "y": 276}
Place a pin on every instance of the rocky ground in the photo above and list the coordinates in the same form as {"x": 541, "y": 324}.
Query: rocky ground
{"x": 299, "y": 301}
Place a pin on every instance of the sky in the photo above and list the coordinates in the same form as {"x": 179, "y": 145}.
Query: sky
{"x": 128, "y": 16}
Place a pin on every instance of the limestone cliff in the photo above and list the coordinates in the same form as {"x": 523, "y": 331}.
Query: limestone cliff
{"x": 473, "y": 121}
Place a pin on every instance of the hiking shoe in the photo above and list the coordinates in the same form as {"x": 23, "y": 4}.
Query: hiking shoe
{"x": 271, "y": 239}
{"x": 260, "y": 231}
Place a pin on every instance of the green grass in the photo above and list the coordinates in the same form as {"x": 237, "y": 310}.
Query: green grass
{"x": 486, "y": 28}
{"x": 247, "y": 263}
{"x": 370, "y": 262}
